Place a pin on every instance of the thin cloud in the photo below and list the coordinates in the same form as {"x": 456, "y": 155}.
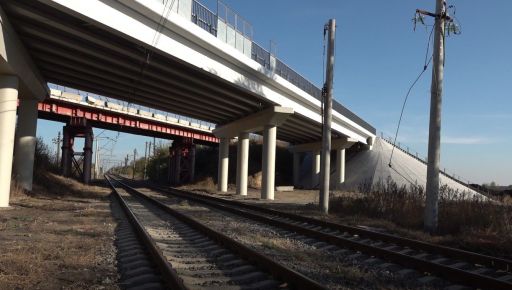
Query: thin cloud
{"x": 465, "y": 140}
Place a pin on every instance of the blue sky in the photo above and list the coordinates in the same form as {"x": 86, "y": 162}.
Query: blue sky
{"x": 378, "y": 55}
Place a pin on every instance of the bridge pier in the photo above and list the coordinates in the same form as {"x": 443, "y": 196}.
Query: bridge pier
{"x": 88, "y": 135}
{"x": 339, "y": 145}
{"x": 315, "y": 171}
{"x": 269, "y": 162}
{"x": 265, "y": 121}
{"x": 296, "y": 169}
{"x": 8, "y": 103}
{"x": 182, "y": 160}
{"x": 67, "y": 151}
{"x": 340, "y": 168}
{"x": 222, "y": 180}
{"x": 77, "y": 127}
{"x": 25, "y": 143}
{"x": 242, "y": 164}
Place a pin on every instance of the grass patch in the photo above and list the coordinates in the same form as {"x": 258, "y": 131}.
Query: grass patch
{"x": 481, "y": 225}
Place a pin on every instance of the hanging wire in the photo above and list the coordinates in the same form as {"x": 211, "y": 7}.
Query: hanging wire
{"x": 425, "y": 66}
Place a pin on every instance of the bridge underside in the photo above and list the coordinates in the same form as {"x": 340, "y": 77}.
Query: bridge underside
{"x": 85, "y": 55}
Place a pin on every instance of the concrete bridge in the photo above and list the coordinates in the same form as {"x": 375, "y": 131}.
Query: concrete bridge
{"x": 189, "y": 61}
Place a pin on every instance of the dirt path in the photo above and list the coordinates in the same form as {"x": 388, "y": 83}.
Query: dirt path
{"x": 52, "y": 240}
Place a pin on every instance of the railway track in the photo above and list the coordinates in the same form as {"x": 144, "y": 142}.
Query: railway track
{"x": 456, "y": 266}
{"x": 191, "y": 255}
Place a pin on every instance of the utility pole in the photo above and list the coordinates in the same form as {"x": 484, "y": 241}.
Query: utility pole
{"x": 126, "y": 163}
{"x": 325, "y": 163}
{"x": 134, "y": 159}
{"x": 57, "y": 141}
{"x": 145, "y": 160}
{"x": 96, "y": 158}
{"x": 157, "y": 161}
{"x": 434, "y": 141}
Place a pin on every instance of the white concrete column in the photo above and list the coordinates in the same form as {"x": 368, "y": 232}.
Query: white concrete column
{"x": 222, "y": 181}
{"x": 340, "y": 168}
{"x": 25, "y": 143}
{"x": 269, "y": 162}
{"x": 242, "y": 166}
{"x": 315, "y": 172}
{"x": 8, "y": 104}
{"x": 296, "y": 168}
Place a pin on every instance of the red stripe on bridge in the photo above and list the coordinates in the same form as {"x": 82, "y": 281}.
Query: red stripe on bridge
{"x": 59, "y": 109}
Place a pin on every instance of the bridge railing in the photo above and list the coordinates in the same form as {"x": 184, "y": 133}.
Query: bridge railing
{"x": 204, "y": 17}
{"x": 233, "y": 29}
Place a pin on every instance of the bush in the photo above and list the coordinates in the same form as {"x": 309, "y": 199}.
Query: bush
{"x": 43, "y": 159}
{"x": 405, "y": 206}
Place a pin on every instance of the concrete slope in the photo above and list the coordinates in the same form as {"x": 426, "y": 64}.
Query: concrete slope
{"x": 372, "y": 166}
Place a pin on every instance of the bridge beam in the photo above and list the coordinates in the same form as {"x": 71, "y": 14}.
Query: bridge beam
{"x": 265, "y": 121}
{"x": 8, "y": 104}
{"x": 25, "y": 143}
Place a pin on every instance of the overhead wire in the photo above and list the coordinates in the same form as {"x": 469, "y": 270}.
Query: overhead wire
{"x": 426, "y": 63}
{"x": 156, "y": 37}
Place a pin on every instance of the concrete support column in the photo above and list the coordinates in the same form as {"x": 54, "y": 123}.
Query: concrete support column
{"x": 269, "y": 162}
{"x": 296, "y": 168}
{"x": 8, "y": 104}
{"x": 242, "y": 167}
{"x": 222, "y": 181}
{"x": 88, "y": 157}
{"x": 315, "y": 173}
{"x": 66, "y": 152}
{"x": 340, "y": 168}
{"x": 25, "y": 143}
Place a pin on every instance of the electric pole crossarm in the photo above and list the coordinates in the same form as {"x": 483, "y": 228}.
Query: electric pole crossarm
{"x": 427, "y": 13}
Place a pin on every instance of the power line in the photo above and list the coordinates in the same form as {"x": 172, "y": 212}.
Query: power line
{"x": 425, "y": 66}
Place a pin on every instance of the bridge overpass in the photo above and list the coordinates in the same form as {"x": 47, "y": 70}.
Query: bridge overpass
{"x": 189, "y": 61}
{"x": 62, "y": 106}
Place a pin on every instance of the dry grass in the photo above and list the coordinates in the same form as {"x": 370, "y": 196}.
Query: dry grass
{"x": 55, "y": 239}
{"x": 474, "y": 224}
{"x": 17, "y": 192}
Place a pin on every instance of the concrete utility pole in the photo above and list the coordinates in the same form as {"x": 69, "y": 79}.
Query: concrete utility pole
{"x": 134, "y": 159}
{"x": 57, "y": 142}
{"x": 157, "y": 161}
{"x": 145, "y": 159}
{"x": 325, "y": 167}
{"x": 96, "y": 158}
{"x": 434, "y": 142}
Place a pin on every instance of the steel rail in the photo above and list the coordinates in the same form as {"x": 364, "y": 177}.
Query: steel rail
{"x": 445, "y": 271}
{"x": 294, "y": 279}
{"x": 169, "y": 275}
{"x": 476, "y": 258}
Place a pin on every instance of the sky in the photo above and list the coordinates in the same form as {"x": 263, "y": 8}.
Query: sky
{"x": 378, "y": 56}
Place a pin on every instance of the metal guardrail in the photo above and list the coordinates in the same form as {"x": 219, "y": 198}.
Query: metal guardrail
{"x": 207, "y": 20}
{"x": 204, "y": 18}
